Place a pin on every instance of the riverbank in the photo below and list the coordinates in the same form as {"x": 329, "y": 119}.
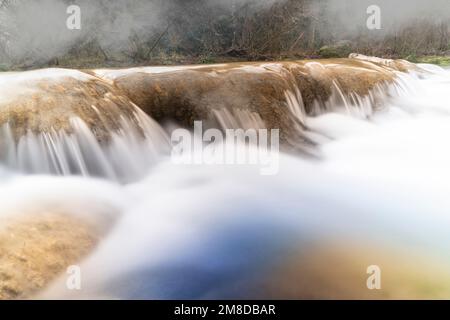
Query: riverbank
{"x": 177, "y": 59}
{"x": 443, "y": 61}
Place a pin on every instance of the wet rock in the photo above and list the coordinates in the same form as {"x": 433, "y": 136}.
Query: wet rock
{"x": 279, "y": 94}
{"x": 338, "y": 270}
{"x": 399, "y": 64}
{"x": 339, "y": 50}
{"x": 46, "y": 100}
{"x": 256, "y": 95}
{"x": 35, "y": 249}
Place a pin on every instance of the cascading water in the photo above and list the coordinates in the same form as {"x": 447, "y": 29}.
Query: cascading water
{"x": 128, "y": 154}
{"x": 67, "y": 122}
{"x": 198, "y": 231}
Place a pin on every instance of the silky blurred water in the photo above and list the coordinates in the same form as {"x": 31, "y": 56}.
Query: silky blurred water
{"x": 195, "y": 231}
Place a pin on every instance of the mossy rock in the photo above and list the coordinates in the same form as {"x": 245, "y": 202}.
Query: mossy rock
{"x": 4, "y": 67}
{"x": 438, "y": 60}
{"x": 336, "y": 51}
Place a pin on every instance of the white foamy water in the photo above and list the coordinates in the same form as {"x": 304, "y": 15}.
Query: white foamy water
{"x": 196, "y": 231}
{"x": 127, "y": 156}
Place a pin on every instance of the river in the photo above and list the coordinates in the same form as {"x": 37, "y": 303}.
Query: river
{"x": 378, "y": 190}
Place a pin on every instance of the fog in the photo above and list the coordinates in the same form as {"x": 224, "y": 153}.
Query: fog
{"x": 350, "y": 16}
{"x": 35, "y": 30}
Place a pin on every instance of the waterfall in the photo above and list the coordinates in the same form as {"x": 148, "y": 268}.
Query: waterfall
{"x": 128, "y": 155}
{"x": 377, "y": 192}
{"x": 66, "y": 122}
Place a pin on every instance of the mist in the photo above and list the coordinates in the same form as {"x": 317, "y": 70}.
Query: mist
{"x": 34, "y": 31}
{"x": 350, "y": 16}
{"x": 37, "y": 29}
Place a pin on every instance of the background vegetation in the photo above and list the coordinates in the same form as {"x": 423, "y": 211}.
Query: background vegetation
{"x": 207, "y": 31}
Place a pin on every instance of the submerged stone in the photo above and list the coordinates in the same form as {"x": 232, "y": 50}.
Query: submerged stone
{"x": 35, "y": 249}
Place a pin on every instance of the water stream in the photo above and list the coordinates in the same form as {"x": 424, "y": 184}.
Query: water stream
{"x": 196, "y": 231}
